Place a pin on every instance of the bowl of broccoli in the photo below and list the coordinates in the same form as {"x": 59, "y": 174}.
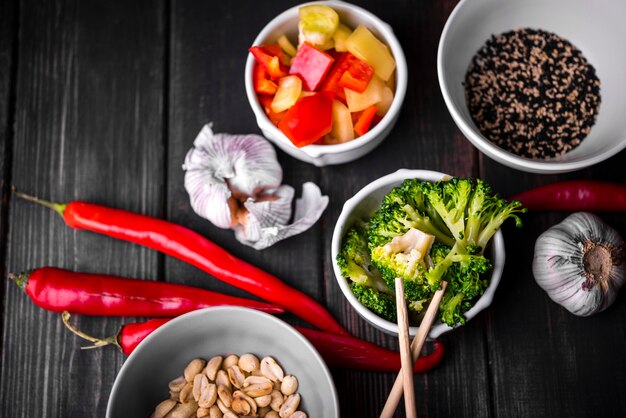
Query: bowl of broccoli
{"x": 424, "y": 227}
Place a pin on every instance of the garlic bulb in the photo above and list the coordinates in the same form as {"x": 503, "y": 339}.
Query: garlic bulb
{"x": 234, "y": 182}
{"x": 580, "y": 263}
{"x": 222, "y": 167}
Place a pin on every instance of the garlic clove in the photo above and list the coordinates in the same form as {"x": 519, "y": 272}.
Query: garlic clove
{"x": 221, "y": 165}
{"x": 267, "y": 221}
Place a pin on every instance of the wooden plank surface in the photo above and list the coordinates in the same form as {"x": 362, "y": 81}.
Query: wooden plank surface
{"x": 544, "y": 359}
{"x": 88, "y": 125}
{"x": 209, "y": 43}
{"x": 424, "y": 138}
{"x": 109, "y": 98}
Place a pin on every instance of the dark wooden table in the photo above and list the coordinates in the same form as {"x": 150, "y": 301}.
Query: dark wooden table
{"x": 101, "y": 100}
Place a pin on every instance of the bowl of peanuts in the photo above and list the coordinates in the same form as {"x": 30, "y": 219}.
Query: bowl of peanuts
{"x": 224, "y": 362}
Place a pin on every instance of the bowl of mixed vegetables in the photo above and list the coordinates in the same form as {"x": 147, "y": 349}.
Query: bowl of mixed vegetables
{"x": 424, "y": 227}
{"x": 326, "y": 81}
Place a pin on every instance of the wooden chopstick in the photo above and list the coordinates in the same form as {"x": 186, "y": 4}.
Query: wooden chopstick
{"x": 405, "y": 351}
{"x": 416, "y": 347}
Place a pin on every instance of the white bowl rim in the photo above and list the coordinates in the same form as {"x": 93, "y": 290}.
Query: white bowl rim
{"x": 204, "y": 311}
{"x": 390, "y": 39}
{"x": 387, "y": 326}
{"x": 489, "y": 148}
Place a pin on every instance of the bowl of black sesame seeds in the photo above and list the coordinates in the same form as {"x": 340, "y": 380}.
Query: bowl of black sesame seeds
{"x": 537, "y": 85}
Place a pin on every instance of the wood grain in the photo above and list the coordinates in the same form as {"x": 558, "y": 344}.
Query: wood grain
{"x": 544, "y": 358}
{"x": 209, "y": 46}
{"x": 88, "y": 126}
{"x": 104, "y": 102}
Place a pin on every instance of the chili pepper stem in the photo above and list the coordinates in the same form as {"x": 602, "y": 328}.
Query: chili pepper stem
{"x": 57, "y": 207}
{"x": 98, "y": 342}
{"x": 20, "y": 279}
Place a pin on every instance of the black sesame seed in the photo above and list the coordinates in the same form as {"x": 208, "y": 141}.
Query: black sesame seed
{"x": 532, "y": 93}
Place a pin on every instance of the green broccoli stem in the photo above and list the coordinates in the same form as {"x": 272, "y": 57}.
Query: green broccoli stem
{"x": 503, "y": 213}
{"x": 425, "y": 225}
{"x": 435, "y": 275}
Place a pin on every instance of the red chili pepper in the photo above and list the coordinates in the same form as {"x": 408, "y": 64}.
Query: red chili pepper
{"x": 96, "y": 294}
{"x": 193, "y": 248}
{"x": 262, "y": 84}
{"x": 127, "y": 337}
{"x": 311, "y": 65}
{"x": 309, "y": 119}
{"x": 272, "y": 64}
{"x": 337, "y": 351}
{"x": 352, "y": 353}
{"x": 575, "y": 196}
{"x": 362, "y": 126}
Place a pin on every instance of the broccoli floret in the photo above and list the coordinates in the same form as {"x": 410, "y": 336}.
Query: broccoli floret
{"x": 466, "y": 282}
{"x": 486, "y": 212}
{"x": 405, "y": 208}
{"x": 425, "y": 233}
{"x": 450, "y": 199}
{"x": 405, "y": 257}
{"x": 381, "y": 303}
{"x": 354, "y": 259}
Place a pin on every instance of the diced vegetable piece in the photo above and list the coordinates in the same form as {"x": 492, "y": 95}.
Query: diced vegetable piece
{"x": 266, "y": 102}
{"x": 289, "y": 89}
{"x": 317, "y": 24}
{"x": 391, "y": 83}
{"x": 275, "y": 50}
{"x": 287, "y": 46}
{"x": 272, "y": 63}
{"x": 385, "y": 103}
{"x": 358, "y": 75}
{"x": 362, "y": 126}
{"x": 367, "y": 47}
{"x": 326, "y": 46}
{"x": 341, "y": 34}
{"x": 372, "y": 95}
{"x": 311, "y": 65}
{"x": 342, "y": 130}
{"x": 343, "y": 63}
{"x": 309, "y": 119}
{"x": 331, "y": 83}
{"x": 262, "y": 84}
{"x": 305, "y": 93}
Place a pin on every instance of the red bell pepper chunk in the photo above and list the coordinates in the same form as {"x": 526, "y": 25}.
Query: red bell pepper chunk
{"x": 266, "y": 103}
{"x": 309, "y": 119}
{"x": 262, "y": 84}
{"x": 272, "y": 63}
{"x": 276, "y": 51}
{"x": 362, "y": 126}
{"x": 331, "y": 83}
{"x": 311, "y": 65}
{"x": 357, "y": 76}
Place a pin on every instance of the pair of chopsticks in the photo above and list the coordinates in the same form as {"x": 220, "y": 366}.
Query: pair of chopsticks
{"x": 409, "y": 354}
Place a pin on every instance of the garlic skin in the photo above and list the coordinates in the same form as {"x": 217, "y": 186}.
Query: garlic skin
{"x": 580, "y": 263}
{"x": 222, "y": 165}
{"x": 267, "y": 220}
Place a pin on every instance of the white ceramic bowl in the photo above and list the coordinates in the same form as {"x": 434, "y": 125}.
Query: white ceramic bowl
{"x": 596, "y": 28}
{"x": 142, "y": 382}
{"x": 321, "y": 155}
{"x": 361, "y": 206}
